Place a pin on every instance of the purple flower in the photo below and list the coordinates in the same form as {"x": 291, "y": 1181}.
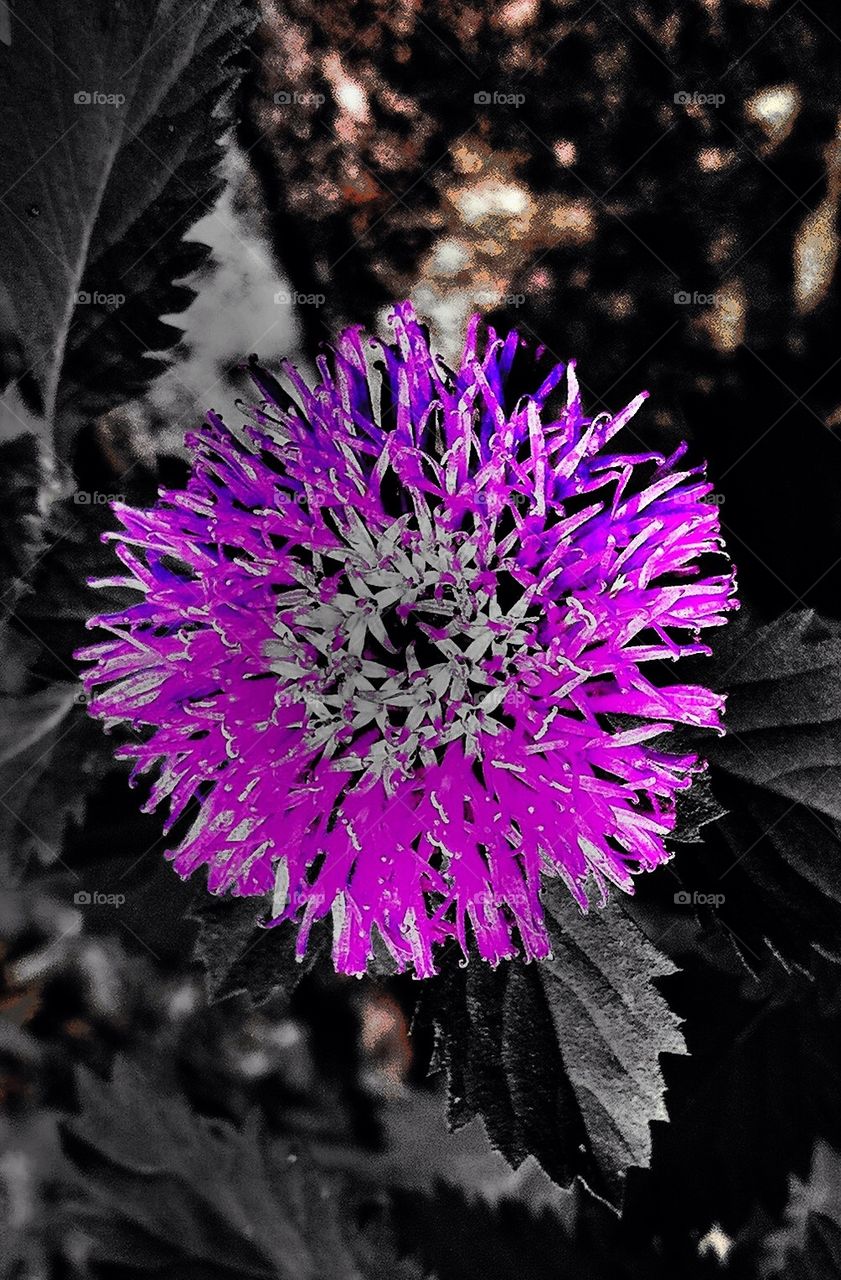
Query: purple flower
{"x": 392, "y": 637}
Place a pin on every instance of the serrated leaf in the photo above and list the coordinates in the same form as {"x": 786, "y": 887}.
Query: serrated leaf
{"x": 162, "y": 1189}
{"x": 776, "y": 855}
{"x": 21, "y": 483}
{"x": 55, "y": 611}
{"x": 45, "y": 741}
{"x": 749, "y": 1103}
{"x": 561, "y": 1058}
{"x": 808, "y": 1245}
{"x": 51, "y": 752}
{"x": 29, "y": 1233}
{"x": 611, "y": 1025}
{"x": 240, "y": 956}
{"x": 11, "y": 352}
{"x": 696, "y": 808}
{"x": 94, "y": 183}
{"x": 505, "y": 1241}
{"x": 783, "y": 707}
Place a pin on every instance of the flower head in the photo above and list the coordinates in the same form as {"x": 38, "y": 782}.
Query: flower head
{"x": 392, "y": 636}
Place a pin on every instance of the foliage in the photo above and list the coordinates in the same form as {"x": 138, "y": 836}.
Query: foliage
{"x": 177, "y": 1093}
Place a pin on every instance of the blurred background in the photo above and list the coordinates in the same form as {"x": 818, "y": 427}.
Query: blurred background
{"x": 652, "y": 190}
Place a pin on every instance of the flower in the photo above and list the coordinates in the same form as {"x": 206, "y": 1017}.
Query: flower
{"x": 392, "y": 638}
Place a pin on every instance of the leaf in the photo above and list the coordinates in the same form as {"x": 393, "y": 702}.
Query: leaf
{"x": 696, "y": 807}
{"x": 808, "y": 1245}
{"x": 506, "y": 1241}
{"x": 20, "y": 502}
{"x": 747, "y": 1105}
{"x": 561, "y": 1058}
{"x": 29, "y": 721}
{"x": 784, "y": 708}
{"x": 160, "y": 1188}
{"x": 30, "y": 1236}
{"x": 776, "y": 856}
{"x": 611, "y": 1024}
{"x": 110, "y": 124}
{"x": 46, "y": 745}
{"x": 52, "y": 754}
{"x": 11, "y": 353}
{"x": 239, "y": 955}
{"x": 767, "y": 1046}
{"x": 55, "y": 612}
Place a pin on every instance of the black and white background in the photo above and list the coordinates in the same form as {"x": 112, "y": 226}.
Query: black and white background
{"x": 652, "y": 187}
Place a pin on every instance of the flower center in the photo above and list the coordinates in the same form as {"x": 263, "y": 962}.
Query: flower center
{"x": 396, "y": 644}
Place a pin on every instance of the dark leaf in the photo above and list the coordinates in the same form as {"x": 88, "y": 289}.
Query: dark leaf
{"x": 20, "y": 493}
{"x": 783, "y": 708}
{"x": 52, "y": 754}
{"x": 561, "y": 1058}
{"x": 110, "y": 123}
{"x": 47, "y": 745}
{"x": 11, "y": 351}
{"x": 459, "y": 1238}
{"x": 808, "y": 1245}
{"x": 239, "y": 955}
{"x": 55, "y": 613}
{"x": 776, "y": 856}
{"x": 160, "y": 1188}
{"x": 30, "y": 1236}
{"x": 696, "y": 807}
{"x": 747, "y": 1106}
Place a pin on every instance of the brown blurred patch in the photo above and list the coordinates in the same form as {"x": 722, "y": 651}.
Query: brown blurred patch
{"x": 384, "y": 1037}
